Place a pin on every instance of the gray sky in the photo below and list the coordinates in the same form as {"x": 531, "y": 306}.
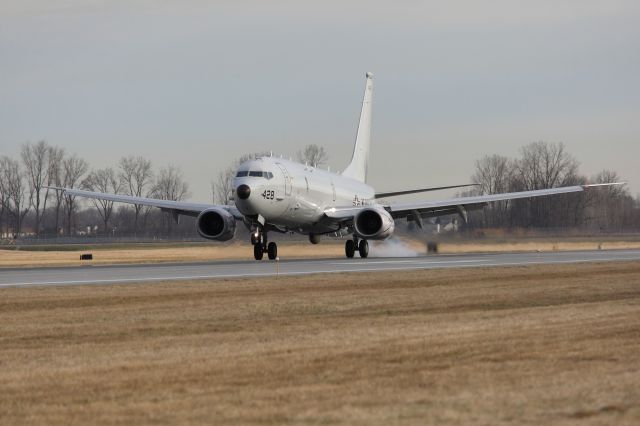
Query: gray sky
{"x": 198, "y": 83}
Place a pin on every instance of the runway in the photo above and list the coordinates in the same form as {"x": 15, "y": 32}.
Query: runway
{"x": 238, "y": 269}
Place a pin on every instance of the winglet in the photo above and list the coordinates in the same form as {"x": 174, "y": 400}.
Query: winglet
{"x": 594, "y": 185}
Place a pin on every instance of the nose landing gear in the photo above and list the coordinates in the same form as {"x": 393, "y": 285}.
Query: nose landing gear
{"x": 362, "y": 246}
{"x": 261, "y": 246}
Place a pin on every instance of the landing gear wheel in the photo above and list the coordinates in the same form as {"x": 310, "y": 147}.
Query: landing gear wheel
{"x": 258, "y": 251}
{"x": 350, "y": 248}
{"x": 363, "y": 249}
{"x": 272, "y": 250}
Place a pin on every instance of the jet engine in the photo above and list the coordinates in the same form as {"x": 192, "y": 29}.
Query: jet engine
{"x": 373, "y": 223}
{"x": 216, "y": 224}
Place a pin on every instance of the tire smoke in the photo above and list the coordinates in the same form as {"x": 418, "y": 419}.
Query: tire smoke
{"x": 392, "y": 247}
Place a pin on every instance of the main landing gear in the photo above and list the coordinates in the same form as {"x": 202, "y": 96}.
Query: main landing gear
{"x": 351, "y": 245}
{"x": 260, "y": 246}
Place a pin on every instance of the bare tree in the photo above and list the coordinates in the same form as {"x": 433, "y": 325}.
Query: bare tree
{"x": 611, "y": 205}
{"x": 614, "y": 191}
{"x": 15, "y": 188}
{"x": 493, "y": 175}
{"x": 170, "y": 185}
{"x": 103, "y": 180}
{"x": 4, "y": 199}
{"x": 73, "y": 169}
{"x": 313, "y": 155}
{"x": 223, "y": 188}
{"x": 35, "y": 158}
{"x": 55, "y": 178}
{"x": 137, "y": 178}
{"x": 547, "y": 165}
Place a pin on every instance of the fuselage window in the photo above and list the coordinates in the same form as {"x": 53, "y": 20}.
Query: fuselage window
{"x": 268, "y": 175}
{"x": 242, "y": 173}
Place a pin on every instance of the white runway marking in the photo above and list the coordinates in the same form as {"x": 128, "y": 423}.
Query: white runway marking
{"x": 416, "y": 261}
{"x": 225, "y": 270}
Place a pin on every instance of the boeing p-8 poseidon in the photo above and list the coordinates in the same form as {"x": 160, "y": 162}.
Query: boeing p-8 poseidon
{"x": 276, "y": 195}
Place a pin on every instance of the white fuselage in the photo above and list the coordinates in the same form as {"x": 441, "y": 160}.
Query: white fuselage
{"x": 294, "y": 196}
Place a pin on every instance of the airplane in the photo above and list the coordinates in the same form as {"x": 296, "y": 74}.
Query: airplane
{"x": 278, "y": 195}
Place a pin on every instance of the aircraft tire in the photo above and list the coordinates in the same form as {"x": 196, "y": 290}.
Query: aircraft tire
{"x": 258, "y": 251}
{"x": 272, "y": 250}
{"x": 350, "y": 248}
{"x": 363, "y": 249}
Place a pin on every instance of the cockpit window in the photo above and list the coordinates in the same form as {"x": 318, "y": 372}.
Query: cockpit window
{"x": 255, "y": 173}
{"x": 242, "y": 173}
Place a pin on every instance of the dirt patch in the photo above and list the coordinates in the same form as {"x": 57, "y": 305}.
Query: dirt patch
{"x": 539, "y": 345}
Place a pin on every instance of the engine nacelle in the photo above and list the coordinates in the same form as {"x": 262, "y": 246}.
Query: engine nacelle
{"x": 216, "y": 224}
{"x": 374, "y": 223}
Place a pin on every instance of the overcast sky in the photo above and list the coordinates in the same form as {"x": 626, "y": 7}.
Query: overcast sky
{"x": 198, "y": 83}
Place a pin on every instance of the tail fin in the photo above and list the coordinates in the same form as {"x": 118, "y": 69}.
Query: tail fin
{"x": 357, "y": 169}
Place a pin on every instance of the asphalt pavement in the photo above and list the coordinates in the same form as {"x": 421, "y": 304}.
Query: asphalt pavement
{"x": 133, "y": 273}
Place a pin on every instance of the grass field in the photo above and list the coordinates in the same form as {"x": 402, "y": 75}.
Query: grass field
{"x": 150, "y": 254}
{"x": 36, "y": 256}
{"x": 536, "y": 345}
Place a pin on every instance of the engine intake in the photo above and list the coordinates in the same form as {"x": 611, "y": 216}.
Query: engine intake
{"x": 374, "y": 224}
{"x": 216, "y": 224}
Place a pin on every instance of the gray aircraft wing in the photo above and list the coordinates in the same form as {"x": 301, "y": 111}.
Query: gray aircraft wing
{"x": 415, "y": 191}
{"x": 424, "y": 209}
{"x": 180, "y": 207}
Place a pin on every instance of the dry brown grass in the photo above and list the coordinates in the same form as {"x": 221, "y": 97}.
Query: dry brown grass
{"x": 286, "y": 250}
{"x": 534, "y": 245}
{"x": 10, "y": 258}
{"x": 538, "y": 345}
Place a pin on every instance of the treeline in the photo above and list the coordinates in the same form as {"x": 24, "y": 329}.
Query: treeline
{"x": 544, "y": 165}
{"x": 28, "y": 207}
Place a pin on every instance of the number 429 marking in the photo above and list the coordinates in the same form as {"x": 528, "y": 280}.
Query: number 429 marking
{"x": 268, "y": 194}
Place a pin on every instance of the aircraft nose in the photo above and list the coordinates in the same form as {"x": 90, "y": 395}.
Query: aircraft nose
{"x": 243, "y": 191}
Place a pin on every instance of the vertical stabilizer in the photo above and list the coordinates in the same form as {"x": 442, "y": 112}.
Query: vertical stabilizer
{"x": 357, "y": 169}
